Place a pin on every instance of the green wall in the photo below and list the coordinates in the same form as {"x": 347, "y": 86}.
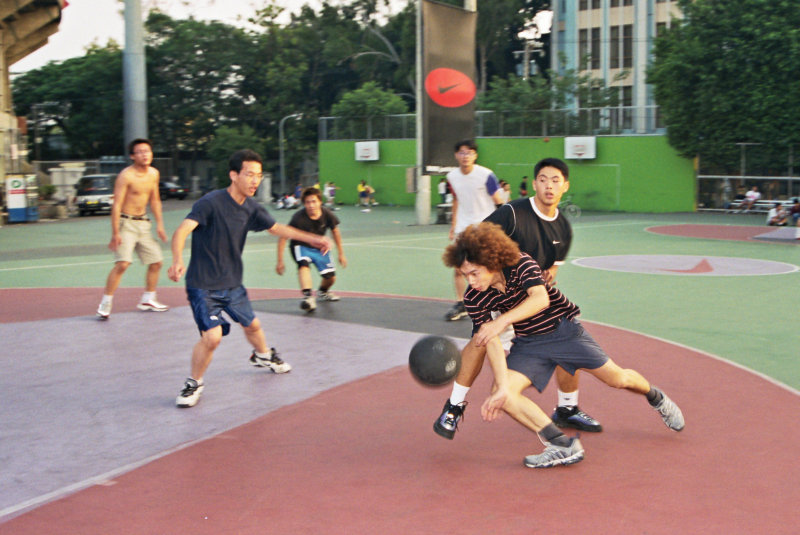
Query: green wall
{"x": 630, "y": 173}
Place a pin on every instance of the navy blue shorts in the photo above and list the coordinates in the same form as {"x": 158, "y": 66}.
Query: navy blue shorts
{"x": 208, "y": 305}
{"x": 569, "y": 346}
{"x": 304, "y": 256}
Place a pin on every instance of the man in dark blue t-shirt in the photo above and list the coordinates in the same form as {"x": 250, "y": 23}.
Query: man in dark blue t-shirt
{"x": 219, "y": 223}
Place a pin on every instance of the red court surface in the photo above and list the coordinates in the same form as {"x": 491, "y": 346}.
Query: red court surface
{"x": 362, "y": 458}
{"x": 718, "y": 232}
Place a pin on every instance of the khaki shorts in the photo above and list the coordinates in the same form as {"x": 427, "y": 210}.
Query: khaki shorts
{"x": 136, "y": 236}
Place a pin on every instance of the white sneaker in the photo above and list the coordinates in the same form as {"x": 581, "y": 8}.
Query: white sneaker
{"x": 190, "y": 394}
{"x": 104, "y": 311}
{"x": 309, "y": 304}
{"x": 327, "y": 296}
{"x": 274, "y": 363}
{"x": 153, "y": 305}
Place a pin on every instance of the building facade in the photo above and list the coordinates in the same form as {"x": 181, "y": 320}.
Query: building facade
{"x": 613, "y": 40}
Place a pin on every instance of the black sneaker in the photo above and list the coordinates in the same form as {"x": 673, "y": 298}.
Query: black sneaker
{"x": 575, "y": 418}
{"x": 447, "y": 423}
{"x": 274, "y": 363}
{"x": 457, "y": 312}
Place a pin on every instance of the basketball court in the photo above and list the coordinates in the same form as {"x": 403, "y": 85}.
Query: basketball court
{"x": 92, "y": 441}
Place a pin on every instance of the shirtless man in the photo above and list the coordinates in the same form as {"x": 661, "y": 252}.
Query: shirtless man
{"x": 135, "y": 187}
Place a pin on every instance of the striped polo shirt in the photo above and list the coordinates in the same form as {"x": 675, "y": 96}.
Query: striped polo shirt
{"x": 525, "y": 274}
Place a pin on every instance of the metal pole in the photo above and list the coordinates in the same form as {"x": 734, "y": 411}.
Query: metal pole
{"x": 420, "y": 191}
{"x": 134, "y": 76}
{"x": 280, "y": 149}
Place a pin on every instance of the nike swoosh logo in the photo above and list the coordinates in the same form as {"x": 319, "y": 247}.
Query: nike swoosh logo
{"x": 447, "y": 88}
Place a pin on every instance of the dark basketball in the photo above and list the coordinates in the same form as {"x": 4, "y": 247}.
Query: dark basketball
{"x": 434, "y": 360}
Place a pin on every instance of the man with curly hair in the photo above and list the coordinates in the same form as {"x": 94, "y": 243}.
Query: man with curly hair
{"x": 548, "y": 334}
{"x": 542, "y": 231}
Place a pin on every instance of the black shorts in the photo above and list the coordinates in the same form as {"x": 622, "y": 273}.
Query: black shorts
{"x": 569, "y": 346}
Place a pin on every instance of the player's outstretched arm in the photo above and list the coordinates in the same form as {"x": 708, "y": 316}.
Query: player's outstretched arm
{"x": 285, "y": 231}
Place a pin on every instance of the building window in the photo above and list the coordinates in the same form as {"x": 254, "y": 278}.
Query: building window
{"x": 627, "y": 3}
{"x": 583, "y": 5}
{"x": 627, "y": 46}
{"x": 595, "y": 4}
{"x": 613, "y": 3}
{"x": 595, "y": 48}
{"x": 583, "y": 47}
{"x": 613, "y": 47}
{"x": 627, "y": 107}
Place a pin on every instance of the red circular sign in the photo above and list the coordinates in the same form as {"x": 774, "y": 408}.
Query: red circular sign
{"x": 449, "y": 88}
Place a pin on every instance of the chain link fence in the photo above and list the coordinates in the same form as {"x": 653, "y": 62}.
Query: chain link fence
{"x": 530, "y": 123}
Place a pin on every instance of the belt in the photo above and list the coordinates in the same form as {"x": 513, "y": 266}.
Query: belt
{"x": 135, "y": 217}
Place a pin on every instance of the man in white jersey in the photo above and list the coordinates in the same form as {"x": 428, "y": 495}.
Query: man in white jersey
{"x": 476, "y": 193}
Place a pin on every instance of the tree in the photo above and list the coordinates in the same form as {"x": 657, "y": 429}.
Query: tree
{"x": 369, "y": 101}
{"x": 79, "y": 97}
{"x": 727, "y": 73}
{"x": 226, "y": 141}
{"x": 360, "y": 107}
{"x": 194, "y": 80}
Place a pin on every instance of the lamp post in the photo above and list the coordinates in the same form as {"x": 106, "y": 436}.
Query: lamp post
{"x": 280, "y": 149}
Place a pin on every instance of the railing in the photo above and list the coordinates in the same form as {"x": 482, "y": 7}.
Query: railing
{"x": 716, "y": 192}
{"x": 530, "y": 123}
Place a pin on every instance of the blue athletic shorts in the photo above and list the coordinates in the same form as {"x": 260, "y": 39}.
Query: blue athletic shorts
{"x": 569, "y": 346}
{"x": 208, "y": 305}
{"x": 304, "y": 256}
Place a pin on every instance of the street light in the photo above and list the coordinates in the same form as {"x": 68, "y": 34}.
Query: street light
{"x": 280, "y": 148}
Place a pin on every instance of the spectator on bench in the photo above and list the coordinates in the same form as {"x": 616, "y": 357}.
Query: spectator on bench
{"x": 750, "y": 198}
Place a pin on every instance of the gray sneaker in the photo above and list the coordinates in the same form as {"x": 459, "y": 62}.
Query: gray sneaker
{"x": 327, "y": 296}
{"x": 555, "y": 455}
{"x": 274, "y": 363}
{"x": 670, "y": 413}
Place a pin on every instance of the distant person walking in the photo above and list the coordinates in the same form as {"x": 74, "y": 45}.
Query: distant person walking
{"x": 136, "y": 187}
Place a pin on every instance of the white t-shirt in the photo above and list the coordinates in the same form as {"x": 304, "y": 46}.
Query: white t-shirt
{"x": 474, "y": 195}
{"x": 752, "y": 195}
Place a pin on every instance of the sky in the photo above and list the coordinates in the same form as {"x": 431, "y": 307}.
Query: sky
{"x": 87, "y": 22}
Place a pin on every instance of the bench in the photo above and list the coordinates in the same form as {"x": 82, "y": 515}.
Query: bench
{"x": 761, "y": 206}
{"x": 444, "y": 213}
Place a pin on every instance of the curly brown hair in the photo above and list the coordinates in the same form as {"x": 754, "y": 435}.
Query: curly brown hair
{"x": 484, "y": 244}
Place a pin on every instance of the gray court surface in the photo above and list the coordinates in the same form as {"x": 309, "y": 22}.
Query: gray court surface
{"x": 84, "y": 400}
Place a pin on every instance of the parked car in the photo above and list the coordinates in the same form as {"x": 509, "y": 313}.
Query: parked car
{"x": 171, "y": 190}
{"x": 94, "y": 193}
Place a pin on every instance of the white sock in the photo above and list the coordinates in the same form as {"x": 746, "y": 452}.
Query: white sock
{"x": 567, "y": 399}
{"x": 267, "y": 355}
{"x": 459, "y": 393}
{"x": 148, "y": 296}
{"x": 106, "y": 299}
